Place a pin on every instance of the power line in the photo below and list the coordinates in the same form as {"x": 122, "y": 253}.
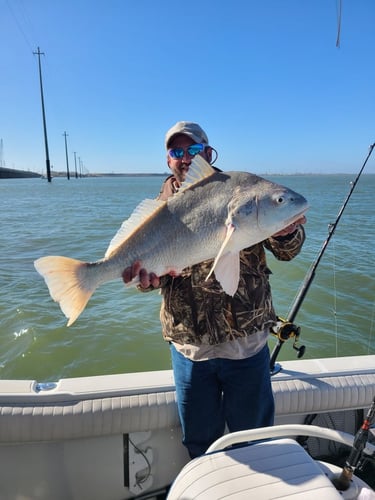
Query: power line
{"x": 19, "y": 26}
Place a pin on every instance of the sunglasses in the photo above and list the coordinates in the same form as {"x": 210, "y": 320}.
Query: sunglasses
{"x": 193, "y": 150}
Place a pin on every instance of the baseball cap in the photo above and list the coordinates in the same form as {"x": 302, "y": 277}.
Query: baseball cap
{"x": 191, "y": 129}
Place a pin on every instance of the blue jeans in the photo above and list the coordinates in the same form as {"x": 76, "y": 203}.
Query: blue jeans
{"x": 220, "y": 391}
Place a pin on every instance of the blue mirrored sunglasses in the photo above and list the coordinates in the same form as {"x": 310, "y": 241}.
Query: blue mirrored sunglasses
{"x": 178, "y": 153}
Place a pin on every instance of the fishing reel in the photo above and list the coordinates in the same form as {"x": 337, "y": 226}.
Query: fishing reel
{"x": 285, "y": 330}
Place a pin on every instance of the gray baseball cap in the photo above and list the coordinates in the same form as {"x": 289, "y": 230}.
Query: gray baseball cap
{"x": 191, "y": 129}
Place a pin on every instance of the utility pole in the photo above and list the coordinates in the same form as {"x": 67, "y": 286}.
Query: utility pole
{"x": 49, "y": 178}
{"x": 75, "y": 163}
{"x": 66, "y": 155}
{"x": 2, "y": 163}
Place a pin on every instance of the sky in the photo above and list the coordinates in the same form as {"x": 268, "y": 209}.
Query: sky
{"x": 266, "y": 79}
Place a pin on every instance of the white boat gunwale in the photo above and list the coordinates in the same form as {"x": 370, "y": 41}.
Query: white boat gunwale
{"x": 90, "y": 403}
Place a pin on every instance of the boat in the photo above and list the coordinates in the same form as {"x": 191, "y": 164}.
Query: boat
{"x": 118, "y": 436}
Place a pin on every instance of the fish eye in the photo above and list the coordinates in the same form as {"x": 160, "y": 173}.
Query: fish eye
{"x": 280, "y": 199}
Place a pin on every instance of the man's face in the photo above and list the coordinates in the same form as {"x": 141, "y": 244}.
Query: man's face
{"x": 180, "y": 166}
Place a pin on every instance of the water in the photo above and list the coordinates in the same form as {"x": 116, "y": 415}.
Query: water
{"x": 120, "y": 331}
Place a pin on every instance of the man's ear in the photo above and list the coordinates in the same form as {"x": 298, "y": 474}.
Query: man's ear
{"x": 208, "y": 154}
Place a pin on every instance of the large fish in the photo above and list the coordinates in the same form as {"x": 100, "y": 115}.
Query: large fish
{"x": 213, "y": 216}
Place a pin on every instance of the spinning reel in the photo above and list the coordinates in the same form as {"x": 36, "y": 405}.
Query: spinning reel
{"x": 285, "y": 330}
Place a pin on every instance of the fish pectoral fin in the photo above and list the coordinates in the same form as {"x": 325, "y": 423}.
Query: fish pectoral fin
{"x": 227, "y": 272}
{"x": 224, "y": 247}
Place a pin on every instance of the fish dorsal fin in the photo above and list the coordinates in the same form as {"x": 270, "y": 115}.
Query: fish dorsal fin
{"x": 140, "y": 214}
{"x": 199, "y": 169}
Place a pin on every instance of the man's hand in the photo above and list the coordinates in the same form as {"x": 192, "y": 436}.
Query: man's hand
{"x": 291, "y": 228}
{"x": 145, "y": 279}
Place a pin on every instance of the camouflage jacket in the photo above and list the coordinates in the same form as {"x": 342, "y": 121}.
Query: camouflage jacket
{"x": 196, "y": 312}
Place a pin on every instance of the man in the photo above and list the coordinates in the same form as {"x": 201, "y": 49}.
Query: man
{"x": 218, "y": 343}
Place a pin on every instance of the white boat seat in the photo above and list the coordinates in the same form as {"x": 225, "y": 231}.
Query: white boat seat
{"x": 276, "y": 469}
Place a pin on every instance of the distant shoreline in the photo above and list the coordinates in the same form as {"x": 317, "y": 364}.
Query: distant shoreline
{"x": 140, "y": 174}
{"x": 10, "y": 173}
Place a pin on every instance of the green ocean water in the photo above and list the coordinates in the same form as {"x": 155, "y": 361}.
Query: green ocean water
{"x": 120, "y": 331}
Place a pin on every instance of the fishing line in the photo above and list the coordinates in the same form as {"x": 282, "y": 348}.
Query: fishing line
{"x": 335, "y": 296}
{"x": 371, "y": 327}
{"x": 339, "y": 16}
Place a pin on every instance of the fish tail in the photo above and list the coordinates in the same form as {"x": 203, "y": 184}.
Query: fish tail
{"x": 69, "y": 282}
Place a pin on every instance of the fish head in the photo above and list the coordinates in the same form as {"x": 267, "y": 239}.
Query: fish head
{"x": 262, "y": 209}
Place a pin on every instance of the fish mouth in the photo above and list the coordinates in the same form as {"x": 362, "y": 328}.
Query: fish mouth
{"x": 296, "y": 217}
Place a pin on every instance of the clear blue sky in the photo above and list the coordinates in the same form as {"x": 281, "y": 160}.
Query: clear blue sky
{"x": 264, "y": 78}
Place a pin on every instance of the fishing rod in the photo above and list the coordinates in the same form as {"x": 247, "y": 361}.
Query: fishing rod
{"x": 355, "y": 460}
{"x": 285, "y": 328}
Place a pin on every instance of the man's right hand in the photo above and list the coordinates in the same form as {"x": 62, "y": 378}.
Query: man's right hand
{"x": 145, "y": 279}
